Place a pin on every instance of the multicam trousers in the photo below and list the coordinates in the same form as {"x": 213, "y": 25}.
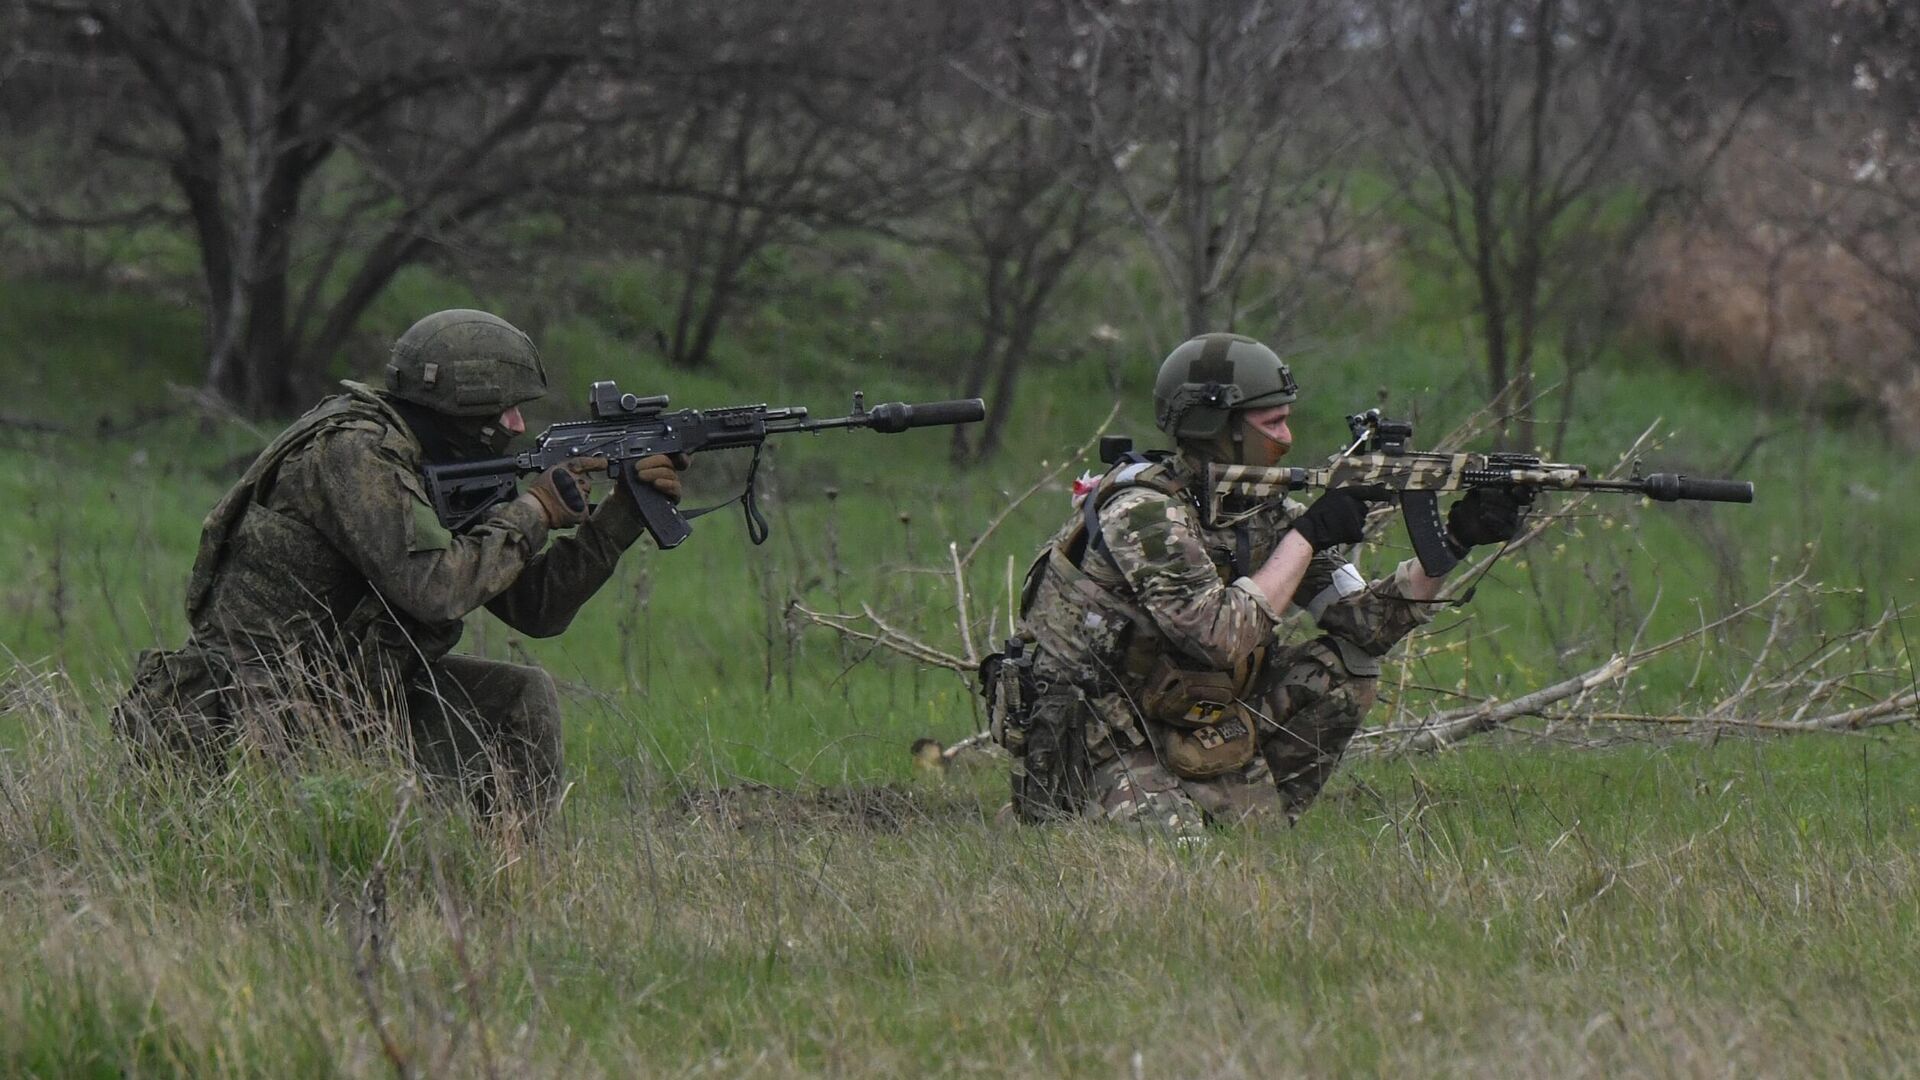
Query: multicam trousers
{"x": 1307, "y": 712}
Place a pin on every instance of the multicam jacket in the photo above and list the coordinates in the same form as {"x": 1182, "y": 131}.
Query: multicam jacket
{"x": 1158, "y": 581}
{"x": 329, "y": 541}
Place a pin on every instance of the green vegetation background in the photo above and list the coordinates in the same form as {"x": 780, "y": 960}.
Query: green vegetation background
{"x": 1679, "y": 907}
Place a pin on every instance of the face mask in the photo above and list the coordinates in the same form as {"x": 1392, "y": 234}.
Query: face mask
{"x": 495, "y": 438}
{"x": 446, "y": 438}
{"x": 1259, "y": 448}
{"x": 1243, "y": 444}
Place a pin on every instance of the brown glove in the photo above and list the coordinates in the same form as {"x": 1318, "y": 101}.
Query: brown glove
{"x": 562, "y": 491}
{"x": 662, "y": 473}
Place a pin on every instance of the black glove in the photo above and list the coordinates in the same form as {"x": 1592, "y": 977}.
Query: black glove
{"x": 1338, "y": 517}
{"x": 1486, "y": 515}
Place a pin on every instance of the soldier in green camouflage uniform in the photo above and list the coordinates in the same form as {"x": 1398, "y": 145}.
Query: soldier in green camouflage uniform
{"x": 1160, "y": 688}
{"x": 327, "y": 596}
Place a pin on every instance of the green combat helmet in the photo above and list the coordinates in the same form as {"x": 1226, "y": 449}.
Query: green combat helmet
{"x": 1207, "y": 377}
{"x": 465, "y": 363}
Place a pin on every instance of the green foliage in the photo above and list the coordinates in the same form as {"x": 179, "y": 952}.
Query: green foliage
{"x": 1514, "y": 908}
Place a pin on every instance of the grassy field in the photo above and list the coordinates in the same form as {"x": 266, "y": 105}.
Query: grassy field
{"x": 748, "y": 878}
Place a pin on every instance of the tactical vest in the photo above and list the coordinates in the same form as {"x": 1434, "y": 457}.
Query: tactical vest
{"x": 1112, "y": 643}
{"x": 1195, "y": 717}
{"x": 261, "y": 573}
{"x": 1112, "y": 640}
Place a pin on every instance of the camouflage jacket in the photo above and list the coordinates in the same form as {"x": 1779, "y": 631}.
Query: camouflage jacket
{"x": 1160, "y": 581}
{"x": 329, "y": 540}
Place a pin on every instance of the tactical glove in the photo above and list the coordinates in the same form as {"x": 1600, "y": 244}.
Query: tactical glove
{"x": 1337, "y": 517}
{"x": 662, "y": 473}
{"x": 1486, "y": 515}
{"x": 562, "y": 495}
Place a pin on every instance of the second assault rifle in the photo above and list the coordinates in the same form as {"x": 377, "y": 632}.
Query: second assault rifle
{"x": 625, "y": 427}
{"x": 1378, "y": 466}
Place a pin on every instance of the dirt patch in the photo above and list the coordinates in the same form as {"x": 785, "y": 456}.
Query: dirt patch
{"x": 875, "y": 808}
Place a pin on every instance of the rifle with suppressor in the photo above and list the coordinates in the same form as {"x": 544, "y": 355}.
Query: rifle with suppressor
{"x": 1379, "y": 467}
{"x": 625, "y": 427}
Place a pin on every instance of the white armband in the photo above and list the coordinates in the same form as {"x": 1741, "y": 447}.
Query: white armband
{"x": 1346, "y": 582}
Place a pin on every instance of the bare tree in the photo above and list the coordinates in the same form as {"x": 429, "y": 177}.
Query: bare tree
{"x": 767, "y": 125}
{"x": 1525, "y": 138}
{"x": 1029, "y": 194}
{"x": 1214, "y": 124}
{"x": 1876, "y": 180}
{"x": 313, "y": 148}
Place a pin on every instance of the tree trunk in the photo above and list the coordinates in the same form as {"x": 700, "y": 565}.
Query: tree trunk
{"x": 965, "y": 450}
{"x": 1013, "y": 356}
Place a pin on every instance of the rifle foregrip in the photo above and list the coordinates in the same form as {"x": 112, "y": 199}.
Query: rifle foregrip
{"x": 663, "y": 521}
{"x": 1672, "y": 487}
{"x": 899, "y": 416}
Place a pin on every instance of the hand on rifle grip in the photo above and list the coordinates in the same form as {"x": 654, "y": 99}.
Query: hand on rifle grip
{"x": 664, "y": 523}
{"x": 661, "y": 472}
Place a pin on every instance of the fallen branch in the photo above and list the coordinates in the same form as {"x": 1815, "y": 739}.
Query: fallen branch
{"x": 1450, "y": 727}
{"x": 1454, "y": 725}
{"x": 1904, "y": 709}
{"x": 887, "y": 637}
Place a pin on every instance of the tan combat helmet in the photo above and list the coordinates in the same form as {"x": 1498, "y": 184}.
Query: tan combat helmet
{"x": 465, "y": 363}
{"x": 1206, "y": 378}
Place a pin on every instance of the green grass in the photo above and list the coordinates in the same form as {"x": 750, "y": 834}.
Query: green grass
{"x": 1687, "y": 910}
{"x": 1535, "y": 904}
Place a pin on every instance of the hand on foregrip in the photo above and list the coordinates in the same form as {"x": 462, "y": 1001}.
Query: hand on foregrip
{"x": 1486, "y": 515}
{"x": 661, "y": 472}
{"x": 562, "y": 495}
{"x": 1335, "y": 518}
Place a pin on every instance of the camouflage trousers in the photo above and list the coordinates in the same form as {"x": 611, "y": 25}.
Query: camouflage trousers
{"x": 490, "y": 727}
{"x": 484, "y": 730}
{"x": 1307, "y": 711}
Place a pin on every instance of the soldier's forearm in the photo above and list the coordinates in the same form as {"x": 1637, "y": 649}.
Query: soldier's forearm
{"x": 1418, "y": 585}
{"x": 1279, "y": 578}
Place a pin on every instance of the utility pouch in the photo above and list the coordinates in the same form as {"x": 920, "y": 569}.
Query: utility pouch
{"x": 1202, "y": 753}
{"x": 1198, "y": 724}
{"x": 1006, "y": 685}
{"x": 175, "y": 708}
{"x": 1187, "y": 697}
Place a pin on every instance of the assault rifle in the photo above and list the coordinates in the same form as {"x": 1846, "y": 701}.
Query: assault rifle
{"x": 1379, "y": 466}
{"x": 625, "y": 427}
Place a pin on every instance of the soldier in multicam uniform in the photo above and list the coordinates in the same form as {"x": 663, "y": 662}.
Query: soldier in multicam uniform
{"x": 1153, "y": 684}
{"x": 328, "y": 596}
